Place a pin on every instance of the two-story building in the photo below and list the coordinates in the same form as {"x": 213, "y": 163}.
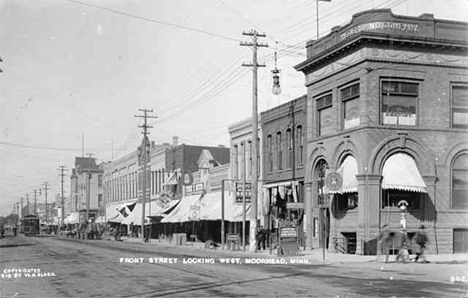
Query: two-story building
{"x": 284, "y": 128}
{"x": 387, "y": 109}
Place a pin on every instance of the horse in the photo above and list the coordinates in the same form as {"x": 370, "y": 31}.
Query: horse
{"x": 398, "y": 239}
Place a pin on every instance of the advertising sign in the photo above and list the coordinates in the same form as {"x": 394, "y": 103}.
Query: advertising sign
{"x": 194, "y": 212}
{"x": 240, "y": 192}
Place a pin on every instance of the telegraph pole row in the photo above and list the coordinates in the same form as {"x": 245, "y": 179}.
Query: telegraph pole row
{"x": 254, "y": 192}
{"x": 144, "y": 152}
{"x": 62, "y": 169}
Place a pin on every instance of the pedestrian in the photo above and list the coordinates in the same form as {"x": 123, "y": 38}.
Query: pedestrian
{"x": 260, "y": 238}
{"x": 421, "y": 241}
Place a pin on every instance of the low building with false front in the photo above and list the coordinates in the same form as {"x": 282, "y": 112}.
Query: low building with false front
{"x": 241, "y": 158}
{"x": 387, "y": 108}
{"x": 284, "y": 129}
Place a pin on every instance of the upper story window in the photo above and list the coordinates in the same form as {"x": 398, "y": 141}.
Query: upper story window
{"x": 300, "y": 145}
{"x": 325, "y": 114}
{"x": 290, "y": 147}
{"x": 279, "y": 148}
{"x": 270, "y": 153}
{"x": 236, "y": 161}
{"x": 350, "y": 99}
{"x": 460, "y": 106}
{"x": 460, "y": 182}
{"x": 399, "y": 101}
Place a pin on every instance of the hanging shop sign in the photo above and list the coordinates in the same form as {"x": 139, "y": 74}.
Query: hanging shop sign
{"x": 240, "y": 192}
{"x": 194, "y": 213}
{"x": 293, "y": 205}
{"x": 334, "y": 181}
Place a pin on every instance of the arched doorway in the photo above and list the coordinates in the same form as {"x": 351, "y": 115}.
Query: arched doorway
{"x": 322, "y": 202}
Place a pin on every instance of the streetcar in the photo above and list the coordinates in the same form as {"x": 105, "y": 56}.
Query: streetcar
{"x": 30, "y": 225}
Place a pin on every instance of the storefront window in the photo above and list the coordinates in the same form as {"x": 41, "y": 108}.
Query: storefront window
{"x": 391, "y": 197}
{"x": 346, "y": 201}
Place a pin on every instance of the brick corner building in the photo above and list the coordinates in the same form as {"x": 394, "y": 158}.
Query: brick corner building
{"x": 387, "y": 109}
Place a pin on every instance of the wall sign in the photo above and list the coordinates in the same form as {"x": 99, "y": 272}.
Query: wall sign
{"x": 405, "y": 27}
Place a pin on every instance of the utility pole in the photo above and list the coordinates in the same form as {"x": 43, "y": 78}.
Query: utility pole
{"x": 88, "y": 191}
{"x": 144, "y": 152}
{"x": 22, "y": 215}
{"x": 62, "y": 169}
{"x": 35, "y": 210}
{"x": 254, "y": 200}
{"x": 46, "y": 184}
{"x": 27, "y": 201}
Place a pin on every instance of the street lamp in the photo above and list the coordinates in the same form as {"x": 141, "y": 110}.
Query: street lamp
{"x": 276, "y": 89}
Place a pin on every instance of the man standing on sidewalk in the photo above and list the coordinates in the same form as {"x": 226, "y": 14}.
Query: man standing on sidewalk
{"x": 421, "y": 241}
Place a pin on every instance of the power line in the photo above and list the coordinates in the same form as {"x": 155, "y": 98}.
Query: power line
{"x": 153, "y": 20}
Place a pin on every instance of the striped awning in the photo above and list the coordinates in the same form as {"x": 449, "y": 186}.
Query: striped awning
{"x": 400, "y": 172}
{"x": 348, "y": 171}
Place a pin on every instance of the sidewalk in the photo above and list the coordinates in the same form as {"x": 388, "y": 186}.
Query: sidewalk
{"x": 315, "y": 256}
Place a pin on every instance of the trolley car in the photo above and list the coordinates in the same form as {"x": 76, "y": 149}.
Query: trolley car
{"x": 30, "y": 225}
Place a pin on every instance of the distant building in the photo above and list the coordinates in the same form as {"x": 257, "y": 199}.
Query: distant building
{"x": 86, "y": 183}
{"x": 387, "y": 107}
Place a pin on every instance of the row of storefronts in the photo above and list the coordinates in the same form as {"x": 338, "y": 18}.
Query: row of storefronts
{"x": 383, "y": 123}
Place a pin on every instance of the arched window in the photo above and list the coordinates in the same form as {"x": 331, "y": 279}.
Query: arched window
{"x": 460, "y": 182}
{"x": 290, "y": 148}
{"x": 270, "y": 153}
{"x": 279, "y": 148}
{"x": 300, "y": 145}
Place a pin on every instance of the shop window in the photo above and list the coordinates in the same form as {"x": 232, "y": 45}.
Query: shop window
{"x": 399, "y": 101}
{"x": 346, "y": 201}
{"x": 325, "y": 115}
{"x": 460, "y": 106}
{"x": 350, "y": 99}
{"x": 391, "y": 197}
{"x": 460, "y": 182}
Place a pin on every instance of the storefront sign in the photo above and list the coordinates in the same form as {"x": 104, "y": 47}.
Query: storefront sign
{"x": 240, "y": 192}
{"x": 404, "y": 27}
{"x": 194, "y": 189}
{"x": 295, "y": 205}
{"x": 288, "y": 242}
{"x": 288, "y": 232}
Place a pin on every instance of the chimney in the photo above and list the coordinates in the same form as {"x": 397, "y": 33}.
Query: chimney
{"x": 175, "y": 141}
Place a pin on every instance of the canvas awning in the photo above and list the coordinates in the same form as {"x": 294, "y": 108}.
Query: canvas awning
{"x": 348, "y": 171}
{"x": 115, "y": 209}
{"x": 73, "y": 218}
{"x": 400, "y": 172}
{"x": 118, "y": 218}
{"x": 210, "y": 208}
{"x": 172, "y": 180}
{"x": 153, "y": 209}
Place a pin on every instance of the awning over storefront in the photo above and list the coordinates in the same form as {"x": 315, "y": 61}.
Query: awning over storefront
{"x": 73, "y": 218}
{"x": 172, "y": 180}
{"x": 210, "y": 208}
{"x": 116, "y": 219}
{"x": 348, "y": 171}
{"x": 400, "y": 172}
{"x": 153, "y": 209}
{"x": 120, "y": 208}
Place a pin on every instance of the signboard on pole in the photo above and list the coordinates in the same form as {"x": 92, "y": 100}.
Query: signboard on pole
{"x": 240, "y": 192}
{"x": 194, "y": 213}
{"x": 288, "y": 246}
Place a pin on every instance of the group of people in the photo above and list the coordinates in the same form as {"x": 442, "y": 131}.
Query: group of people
{"x": 399, "y": 239}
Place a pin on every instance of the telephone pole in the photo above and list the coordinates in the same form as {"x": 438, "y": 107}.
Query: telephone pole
{"x": 144, "y": 152}
{"x": 254, "y": 192}
{"x": 88, "y": 191}
{"x": 35, "y": 210}
{"x": 46, "y": 187}
{"x": 27, "y": 201}
{"x": 22, "y": 215}
{"x": 62, "y": 169}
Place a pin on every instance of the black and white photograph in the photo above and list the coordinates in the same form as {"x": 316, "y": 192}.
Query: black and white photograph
{"x": 233, "y": 148}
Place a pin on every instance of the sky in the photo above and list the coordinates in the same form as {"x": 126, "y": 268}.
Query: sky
{"x": 81, "y": 70}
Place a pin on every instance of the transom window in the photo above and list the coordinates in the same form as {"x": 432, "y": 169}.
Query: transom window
{"x": 399, "y": 101}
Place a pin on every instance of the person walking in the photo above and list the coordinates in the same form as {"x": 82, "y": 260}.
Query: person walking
{"x": 421, "y": 241}
{"x": 260, "y": 238}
